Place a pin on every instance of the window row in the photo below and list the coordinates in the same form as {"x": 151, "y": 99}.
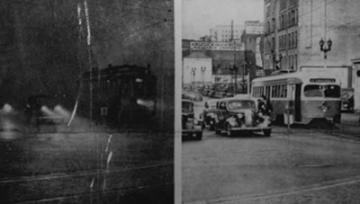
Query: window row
{"x": 288, "y": 19}
{"x": 277, "y": 91}
{"x": 288, "y": 41}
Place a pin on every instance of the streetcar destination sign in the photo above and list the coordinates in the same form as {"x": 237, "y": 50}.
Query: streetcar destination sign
{"x": 322, "y": 80}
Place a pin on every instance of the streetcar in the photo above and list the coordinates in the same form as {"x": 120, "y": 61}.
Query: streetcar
{"x": 301, "y": 97}
{"x": 122, "y": 96}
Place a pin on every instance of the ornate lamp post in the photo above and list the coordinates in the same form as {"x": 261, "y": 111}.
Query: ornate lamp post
{"x": 203, "y": 69}
{"x": 234, "y": 69}
{"x": 325, "y": 47}
{"x": 193, "y": 72}
{"x": 276, "y": 60}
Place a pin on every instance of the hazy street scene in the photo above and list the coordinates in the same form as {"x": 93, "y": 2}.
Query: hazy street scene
{"x": 86, "y": 101}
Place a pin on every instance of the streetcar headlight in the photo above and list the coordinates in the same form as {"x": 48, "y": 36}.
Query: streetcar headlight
{"x": 7, "y": 108}
{"x": 138, "y": 80}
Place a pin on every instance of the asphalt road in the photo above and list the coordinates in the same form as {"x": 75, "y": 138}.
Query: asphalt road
{"x": 303, "y": 166}
{"x": 83, "y": 164}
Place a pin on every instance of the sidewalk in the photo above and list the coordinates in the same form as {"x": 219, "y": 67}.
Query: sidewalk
{"x": 349, "y": 125}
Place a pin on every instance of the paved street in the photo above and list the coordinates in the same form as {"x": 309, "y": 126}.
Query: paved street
{"x": 284, "y": 168}
{"x": 299, "y": 165}
{"x": 58, "y": 164}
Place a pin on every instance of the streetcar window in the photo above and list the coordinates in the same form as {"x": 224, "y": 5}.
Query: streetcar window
{"x": 313, "y": 91}
{"x": 332, "y": 91}
{"x": 329, "y": 91}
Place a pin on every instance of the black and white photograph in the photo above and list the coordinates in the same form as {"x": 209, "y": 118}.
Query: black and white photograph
{"x": 87, "y": 101}
{"x": 270, "y": 101}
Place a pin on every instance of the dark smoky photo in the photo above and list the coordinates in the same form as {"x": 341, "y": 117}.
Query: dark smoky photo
{"x": 270, "y": 101}
{"x": 87, "y": 101}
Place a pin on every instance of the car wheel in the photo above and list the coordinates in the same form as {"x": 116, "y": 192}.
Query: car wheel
{"x": 228, "y": 130}
{"x": 267, "y": 132}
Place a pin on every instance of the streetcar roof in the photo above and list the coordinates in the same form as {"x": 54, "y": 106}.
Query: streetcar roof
{"x": 297, "y": 77}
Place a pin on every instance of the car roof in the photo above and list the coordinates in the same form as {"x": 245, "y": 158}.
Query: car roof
{"x": 237, "y": 98}
{"x": 187, "y": 101}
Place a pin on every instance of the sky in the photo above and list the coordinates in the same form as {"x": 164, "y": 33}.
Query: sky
{"x": 198, "y": 16}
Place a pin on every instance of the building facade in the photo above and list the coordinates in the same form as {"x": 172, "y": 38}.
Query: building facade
{"x": 197, "y": 68}
{"x": 252, "y": 37}
{"x": 293, "y": 30}
{"x": 225, "y": 33}
{"x": 281, "y": 25}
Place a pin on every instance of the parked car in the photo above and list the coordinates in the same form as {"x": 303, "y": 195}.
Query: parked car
{"x": 191, "y": 126}
{"x": 237, "y": 115}
{"x": 194, "y": 96}
{"x": 209, "y": 113}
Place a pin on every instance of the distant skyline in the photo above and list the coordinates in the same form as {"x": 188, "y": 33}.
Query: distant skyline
{"x": 198, "y": 16}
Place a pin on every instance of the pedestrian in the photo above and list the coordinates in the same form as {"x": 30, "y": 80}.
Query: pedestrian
{"x": 264, "y": 106}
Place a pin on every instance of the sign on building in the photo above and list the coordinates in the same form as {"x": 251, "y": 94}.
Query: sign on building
{"x": 227, "y": 46}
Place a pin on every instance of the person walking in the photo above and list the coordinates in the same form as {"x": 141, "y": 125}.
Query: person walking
{"x": 264, "y": 106}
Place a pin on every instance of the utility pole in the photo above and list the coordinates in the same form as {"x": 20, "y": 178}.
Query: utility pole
{"x": 234, "y": 68}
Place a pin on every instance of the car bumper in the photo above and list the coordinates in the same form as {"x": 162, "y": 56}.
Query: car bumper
{"x": 237, "y": 129}
{"x": 191, "y": 133}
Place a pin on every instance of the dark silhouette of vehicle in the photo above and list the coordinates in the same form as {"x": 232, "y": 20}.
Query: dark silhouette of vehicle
{"x": 121, "y": 96}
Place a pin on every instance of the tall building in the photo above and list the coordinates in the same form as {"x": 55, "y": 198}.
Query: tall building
{"x": 251, "y": 38}
{"x": 224, "y": 33}
{"x": 293, "y": 30}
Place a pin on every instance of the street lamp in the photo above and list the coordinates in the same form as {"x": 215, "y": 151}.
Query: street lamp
{"x": 234, "y": 69}
{"x": 325, "y": 47}
{"x": 193, "y": 71}
{"x": 276, "y": 60}
{"x": 203, "y": 69}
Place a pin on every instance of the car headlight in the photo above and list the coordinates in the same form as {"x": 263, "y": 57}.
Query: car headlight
{"x": 232, "y": 121}
{"x": 240, "y": 115}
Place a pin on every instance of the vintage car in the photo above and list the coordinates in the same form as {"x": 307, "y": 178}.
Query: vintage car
{"x": 236, "y": 115}
{"x": 209, "y": 113}
{"x": 191, "y": 126}
{"x": 192, "y": 95}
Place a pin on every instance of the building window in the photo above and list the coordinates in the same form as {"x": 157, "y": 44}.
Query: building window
{"x": 268, "y": 10}
{"x": 289, "y": 41}
{"x": 273, "y": 25}
{"x": 283, "y": 4}
{"x": 296, "y": 39}
{"x": 289, "y": 19}
{"x": 293, "y": 18}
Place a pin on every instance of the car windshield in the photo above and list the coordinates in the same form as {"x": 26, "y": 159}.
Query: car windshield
{"x": 187, "y": 107}
{"x": 241, "y": 104}
{"x": 327, "y": 91}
